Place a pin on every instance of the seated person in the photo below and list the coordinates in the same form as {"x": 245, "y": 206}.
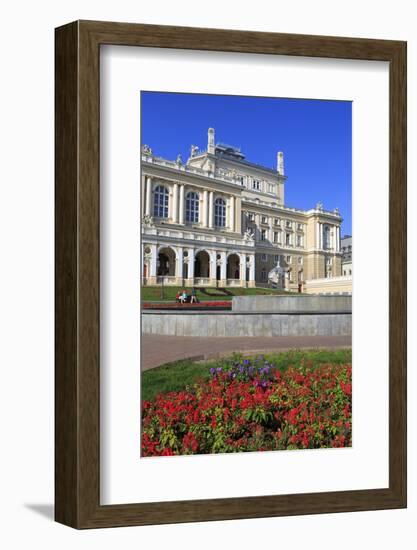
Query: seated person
{"x": 177, "y": 297}
{"x": 183, "y": 297}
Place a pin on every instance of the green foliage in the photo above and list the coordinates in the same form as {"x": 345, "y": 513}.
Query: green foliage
{"x": 180, "y": 374}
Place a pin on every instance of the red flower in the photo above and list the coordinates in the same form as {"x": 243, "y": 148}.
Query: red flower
{"x": 346, "y": 388}
{"x": 190, "y": 442}
{"x": 167, "y": 452}
{"x": 302, "y": 407}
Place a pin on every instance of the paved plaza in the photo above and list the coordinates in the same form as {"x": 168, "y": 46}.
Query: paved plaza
{"x": 158, "y": 349}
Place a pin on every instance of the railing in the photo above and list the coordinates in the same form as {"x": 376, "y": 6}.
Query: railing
{"x": 233, "y": 282}
{"x": 159, "y": 161}
{"x": 220, "y": 237}
{"x": 202, "y": 281}
{"x": 251, "y": 204}
{"x": 166, "y": 280}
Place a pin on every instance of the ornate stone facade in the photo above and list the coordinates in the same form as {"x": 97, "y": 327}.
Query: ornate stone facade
{"x": 346, "y": 247}
{"x": 219, "y": 220}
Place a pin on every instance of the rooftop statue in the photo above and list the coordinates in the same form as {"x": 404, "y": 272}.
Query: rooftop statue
{"x": 146, "y": 150}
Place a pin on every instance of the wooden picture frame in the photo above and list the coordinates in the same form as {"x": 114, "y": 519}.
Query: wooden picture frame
{"x": 77, "y": 382}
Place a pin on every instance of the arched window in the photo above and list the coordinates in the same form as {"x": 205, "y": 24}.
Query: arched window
{"x": 219, "y": 213}
{"x": 192, "y": 207}
{"x": 160, "y": 204}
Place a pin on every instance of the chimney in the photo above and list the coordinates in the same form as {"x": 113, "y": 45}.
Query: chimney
{"x": 280, "y": 163}
{"x": 210, "y": 141}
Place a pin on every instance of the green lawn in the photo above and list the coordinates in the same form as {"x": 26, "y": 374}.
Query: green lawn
{"x": 176, "y": 376}
{"x": 153, "y": 293}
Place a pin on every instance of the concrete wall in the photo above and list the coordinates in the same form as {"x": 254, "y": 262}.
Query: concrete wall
{"x": 294, "y": 303}
{"x": 332, "y": 285}
{"x": 247, "y": 324}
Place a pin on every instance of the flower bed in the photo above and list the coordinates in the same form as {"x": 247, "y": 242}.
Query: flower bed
{"x": 252, "y": 407}
{"x": 214, "y": 304}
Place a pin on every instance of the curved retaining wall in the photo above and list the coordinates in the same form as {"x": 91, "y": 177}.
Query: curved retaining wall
{"x": 246, "y": 324}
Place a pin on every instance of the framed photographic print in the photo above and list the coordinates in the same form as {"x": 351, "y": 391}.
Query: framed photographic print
{"x": 230, "y": 274}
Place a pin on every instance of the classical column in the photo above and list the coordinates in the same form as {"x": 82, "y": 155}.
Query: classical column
{"x": 204, "y": 209}
{"x": 191, "y": 260}
{"x": 143, "y": 196}
{"x": 148, "y": 196}
{"x": 238, "y": 222}
{"x": 212, "y": 266}
{"x": 257, "y": 227}
{"x": 252, "y": 282}
{"x": 179, "y": 265}
{"x": 271, "y": 230}
{"x": 232, "y": 213}
{"x": 181, "y": 220}
{"x": 338, "y": 238}
{"x": 242, "y": 269}
{"x": 223, "y": 269}
{"x": 153, "y": 264}
{"x": 175, "y": 204}
{"x": 210, "y": 210}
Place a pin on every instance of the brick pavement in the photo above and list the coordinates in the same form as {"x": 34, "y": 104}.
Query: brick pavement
{"x": 157, "y": 350}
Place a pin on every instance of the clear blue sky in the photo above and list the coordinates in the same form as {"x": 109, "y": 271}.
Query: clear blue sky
{"x": 315, "y": 136}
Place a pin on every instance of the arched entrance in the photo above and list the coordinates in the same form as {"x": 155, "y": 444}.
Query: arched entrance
{"x": 233, "y": 266}
{"x": 166, "y": 262}
{"x": 202, "y": 264}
